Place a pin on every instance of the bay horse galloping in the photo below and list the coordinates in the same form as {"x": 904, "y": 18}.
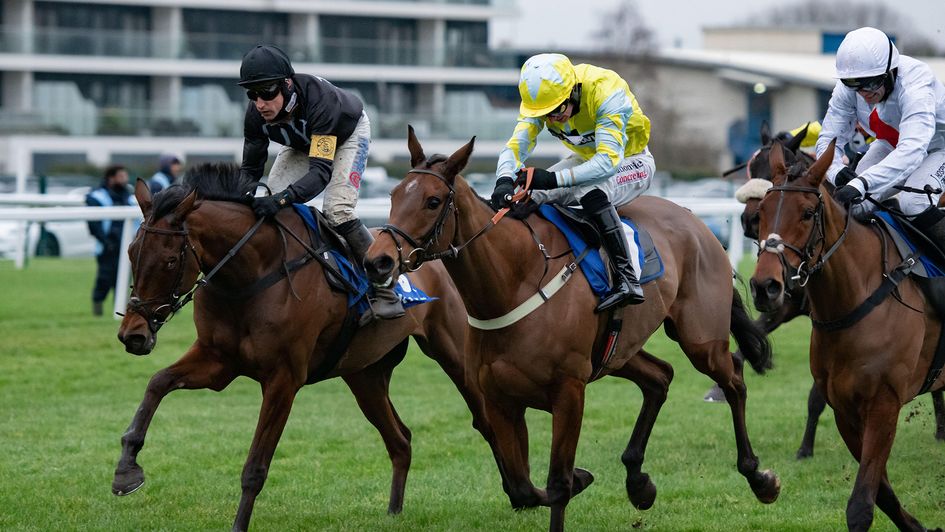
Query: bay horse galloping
{"x": 795, "y": 301}
{"x": 869, "y": 355}
{"x": 544, "y": 360}
{"x": 265, "y": 310}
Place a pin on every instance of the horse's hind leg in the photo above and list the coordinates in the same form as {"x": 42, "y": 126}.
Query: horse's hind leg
{"x": 200, "y": 367}
{"x": 815, "y": 407}
{"x": 653, "y": 376}
{"x": 938, "y": 405}
{"x": 278, "y": 395}
{"x": 888, "y": 502}
{"x": 371, "y": 389}
{"x": 715, "y": 360}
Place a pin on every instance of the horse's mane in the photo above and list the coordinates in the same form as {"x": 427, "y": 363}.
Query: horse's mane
{"x": 220, "y": 181}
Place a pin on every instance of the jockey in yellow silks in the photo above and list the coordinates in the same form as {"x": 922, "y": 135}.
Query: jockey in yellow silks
{"x": 593, "y": 113}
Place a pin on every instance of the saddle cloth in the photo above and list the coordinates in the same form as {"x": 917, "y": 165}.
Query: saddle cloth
{"x": 409, "y": 294}
{"x": 644, "y": 256}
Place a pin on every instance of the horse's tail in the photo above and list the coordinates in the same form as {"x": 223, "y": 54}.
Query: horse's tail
{"x": 751, "y": 338}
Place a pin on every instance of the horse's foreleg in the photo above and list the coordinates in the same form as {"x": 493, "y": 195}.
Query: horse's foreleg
{"x": 938, "y": 405}
{"x": 447, "y": 355}
{"x": 278, "y": 395}
{"x": 715, "y": 360}
{"x": 870, "y": 441}
{"x": 888, "y": 502}
{"x": 508, "y": 422}
{"x": 815, "y": 407}
{"x": 200, "y": 367}
{"x": 567, "y": 412}
{"x": 653, "y": 377}
{"x": 370, "y": 388}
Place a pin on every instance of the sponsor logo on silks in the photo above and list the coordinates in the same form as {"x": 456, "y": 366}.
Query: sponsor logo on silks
{"x": 623, "y": 179}
{"x": 355, "y": 179}
{"x": 573, "y": 137}
{"x": 323, "y": 146}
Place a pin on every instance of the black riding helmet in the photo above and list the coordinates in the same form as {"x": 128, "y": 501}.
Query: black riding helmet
{"x": 265, "y": 62}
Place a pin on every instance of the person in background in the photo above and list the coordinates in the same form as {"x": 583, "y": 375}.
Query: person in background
{"x": 593, "y": 113}
{"x": 325, "y": 136}
{"x": 169, "y": 168}
{"x": 112, "y": 192}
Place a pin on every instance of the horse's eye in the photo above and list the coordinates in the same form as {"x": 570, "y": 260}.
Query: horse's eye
{"x": 433, "y": 202}
{"x": 808, "y": 213}
{"x": 171, "y": 262}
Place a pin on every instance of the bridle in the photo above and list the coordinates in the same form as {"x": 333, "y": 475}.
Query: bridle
{"x": 421, "y": 247}
{"x": 159, "y": 310}
{"x": 810, "y": 262}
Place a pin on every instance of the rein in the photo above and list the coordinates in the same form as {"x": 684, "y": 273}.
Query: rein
{"x": 174, "y": 302}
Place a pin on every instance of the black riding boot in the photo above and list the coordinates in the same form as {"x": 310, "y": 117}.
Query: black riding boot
{"x": 627, "y": 289}
{"x": 386, "y": 304}
{"x": 932, "y": 224}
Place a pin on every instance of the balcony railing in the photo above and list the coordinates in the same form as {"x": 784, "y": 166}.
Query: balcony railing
{"x": 219, "y": 46}
{"x": 116, "y": 121}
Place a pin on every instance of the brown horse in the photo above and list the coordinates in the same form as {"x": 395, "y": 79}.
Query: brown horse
{"x": 868, "y": 361}
{"x": 544, "y": 360}
{"x": 266, "y": 311}
{"x": 795, "y": 301}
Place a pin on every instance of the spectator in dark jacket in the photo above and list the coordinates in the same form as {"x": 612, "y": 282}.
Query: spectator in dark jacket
{"x": 169, "y": 168}
{"x": 113, "y": 191}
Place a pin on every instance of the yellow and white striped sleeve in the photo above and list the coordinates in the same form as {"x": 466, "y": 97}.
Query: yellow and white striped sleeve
{"x": 512, "y": 158}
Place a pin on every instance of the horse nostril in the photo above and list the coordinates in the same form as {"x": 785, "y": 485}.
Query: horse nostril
{"x": 772, "y": 289}
{"x": 381, "y": 266}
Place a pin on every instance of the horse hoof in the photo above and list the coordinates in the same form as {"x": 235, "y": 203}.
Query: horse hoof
{"x": 641, "y": 491}
{"x": 128, "y": 481}
{"x": 395, "y": 510}
{"x": 581, "y": 479}
{"x": 767, "y": 487}
{"x": 803, "y": 453}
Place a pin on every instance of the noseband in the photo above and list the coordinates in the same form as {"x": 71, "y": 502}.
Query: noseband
{"x": 810, "y": 263}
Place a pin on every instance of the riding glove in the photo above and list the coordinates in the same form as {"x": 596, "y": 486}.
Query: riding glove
{"x": 848, "y": 194}
{"x": 269, "y": 205}
{"x": 844, "y": 176}
{"x": 541, "y": 179}
{"x": 504, "y": 187}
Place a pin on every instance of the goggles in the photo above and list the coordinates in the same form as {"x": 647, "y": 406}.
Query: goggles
{"x": 267, "y": 93}
{"x": 559, "y": 112}
{"x": 870, "y": 84}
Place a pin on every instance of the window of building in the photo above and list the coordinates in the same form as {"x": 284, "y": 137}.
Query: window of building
{"x": 467, "y": 44}
{"x": 216, "y": 34}
{"x": 368, "y": 40}
{"x": 87, "y": 29}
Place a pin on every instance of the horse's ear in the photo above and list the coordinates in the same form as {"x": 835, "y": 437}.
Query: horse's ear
{"x": 458, "y": 160}
{"x": 416, "y": 151}
{"x": 776, "y": 162}
{"x": 184, "y": 208}
{"x": 818, "y": 170}
{"x": 795, "y": 143}
{"x": 143, "y": 195}
{"x": 765, "y": 133}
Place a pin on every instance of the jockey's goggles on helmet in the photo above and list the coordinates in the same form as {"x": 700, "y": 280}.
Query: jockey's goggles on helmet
{"x": 266, "y": 92}
{"x": 559, "y": 111}
{"x": 869, "y": 84}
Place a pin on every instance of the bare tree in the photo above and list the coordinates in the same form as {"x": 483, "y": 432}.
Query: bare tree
{"x": 624, "y": 31}
{"x": 846, "y": 15}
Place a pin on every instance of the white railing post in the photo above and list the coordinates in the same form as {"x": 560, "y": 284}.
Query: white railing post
{"x": 124, "y": 267}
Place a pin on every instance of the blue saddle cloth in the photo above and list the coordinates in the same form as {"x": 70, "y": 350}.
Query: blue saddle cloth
{"x": 593, "y": 266}
{"x": 926, "y": 267}
{"x": 409, "y": 294}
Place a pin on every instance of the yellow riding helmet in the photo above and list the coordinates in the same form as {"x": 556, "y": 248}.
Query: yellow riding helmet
{"x": 546, "y": 81}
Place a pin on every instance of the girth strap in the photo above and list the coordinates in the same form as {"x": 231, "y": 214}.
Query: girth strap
{"x": 890, "y": 282}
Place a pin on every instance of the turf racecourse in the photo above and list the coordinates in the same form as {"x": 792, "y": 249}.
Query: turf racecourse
{"x": 68, "y": 391}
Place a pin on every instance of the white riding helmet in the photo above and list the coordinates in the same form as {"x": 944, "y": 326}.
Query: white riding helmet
{"x": 865, "y": 53}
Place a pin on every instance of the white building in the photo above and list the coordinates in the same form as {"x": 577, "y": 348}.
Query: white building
{"x": 124, "y": 80}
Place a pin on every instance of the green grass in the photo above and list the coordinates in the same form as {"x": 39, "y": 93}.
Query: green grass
{"x": 68, "y": 391}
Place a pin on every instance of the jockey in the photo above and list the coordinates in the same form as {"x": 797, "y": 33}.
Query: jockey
{"x": 902, "y": 104}
{"x": 594, "y": 114}
{"x": 325, "y": 136}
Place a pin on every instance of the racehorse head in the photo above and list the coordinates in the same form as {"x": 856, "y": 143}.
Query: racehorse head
{"x": 422, "y": 221}
{"x": 164, "y": 259}
{"x": 791, "y": 224}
